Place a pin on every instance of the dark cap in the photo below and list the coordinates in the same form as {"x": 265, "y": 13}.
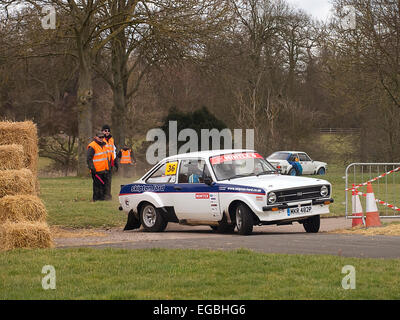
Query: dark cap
{"x": 106, "y": 127}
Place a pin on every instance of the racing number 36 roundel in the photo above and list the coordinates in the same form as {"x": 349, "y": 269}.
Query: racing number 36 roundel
{"x": 170, "y": 168}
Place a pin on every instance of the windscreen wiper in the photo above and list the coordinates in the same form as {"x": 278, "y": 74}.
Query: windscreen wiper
{"x": 267, "y": 172}
{"x": 241, "y": 176}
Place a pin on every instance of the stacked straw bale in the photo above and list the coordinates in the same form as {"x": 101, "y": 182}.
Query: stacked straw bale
{"x": 22, "y": 213}
{"x": 24, "y": 235}
{"x": 16, "y": 182}
{"x": 24, "y": 134}
{"x": 12, "y": 157}
{"x": 22, "y": 208}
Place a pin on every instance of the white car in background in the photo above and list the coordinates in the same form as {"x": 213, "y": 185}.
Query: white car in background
{"x": 296, "y": 163}
{"x": 224, "y": 189}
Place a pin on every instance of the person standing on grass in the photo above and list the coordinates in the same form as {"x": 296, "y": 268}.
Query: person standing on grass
{"x": 111, "y": 154}
{"x": 97, "y": 161}
{"x": 126, "y": 160}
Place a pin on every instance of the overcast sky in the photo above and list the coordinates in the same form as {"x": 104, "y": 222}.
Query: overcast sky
{"x": 319, "y": 9}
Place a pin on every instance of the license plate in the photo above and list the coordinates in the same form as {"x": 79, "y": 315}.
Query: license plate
{"x": 299, "y": 210}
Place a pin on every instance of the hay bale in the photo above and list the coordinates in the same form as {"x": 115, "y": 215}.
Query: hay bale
{"x": 16, "y": 182}
{"x": 22, "y": 208}
{"x": 25, "y": 134}
{"x": 25, "y": 235}
{"x": 11, "y": 157}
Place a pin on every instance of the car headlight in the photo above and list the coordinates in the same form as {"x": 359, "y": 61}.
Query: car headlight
{"x": 324, "y": 191}
{"x": 271, "y": 198}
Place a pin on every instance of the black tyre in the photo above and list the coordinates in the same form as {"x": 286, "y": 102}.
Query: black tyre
{"x": 311, "y": 225}
{"x": 292, "y": 172}
{"x": 321, "y": 171}
{"x": 151, "y": 219}
{"x": 244, "y": 219}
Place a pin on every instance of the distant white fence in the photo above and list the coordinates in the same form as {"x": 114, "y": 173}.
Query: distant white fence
{"x": 340, "y": 130}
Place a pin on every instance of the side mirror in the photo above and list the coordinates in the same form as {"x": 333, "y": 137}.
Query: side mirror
{"x": 208, "y": 181}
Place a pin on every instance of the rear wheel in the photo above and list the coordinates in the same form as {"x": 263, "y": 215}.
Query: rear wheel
{"x": 244, "y": 219}
{"x": 311, "y": 225}
{"x": 151, "y": 219}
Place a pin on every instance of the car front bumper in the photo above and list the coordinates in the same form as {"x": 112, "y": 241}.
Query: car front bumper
{"x": 304, "y": 203}
{"x": 287, "y": 211}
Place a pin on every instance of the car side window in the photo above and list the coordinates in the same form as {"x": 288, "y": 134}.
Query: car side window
{"x": 206, "y": 172}
{"x": 191, "y": 171}
{"x": 293, "y": 157}
{"x": 165, "y": 174}
{"x": 304, "y": 157}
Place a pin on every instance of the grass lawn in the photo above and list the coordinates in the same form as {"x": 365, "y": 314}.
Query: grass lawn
{"x": 67, "y": 200}
{"x": 192, "y": 274}
{"x": 179, "y": 274}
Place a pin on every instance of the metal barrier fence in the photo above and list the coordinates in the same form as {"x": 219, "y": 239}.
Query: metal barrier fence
{"x": 385, "y": 180}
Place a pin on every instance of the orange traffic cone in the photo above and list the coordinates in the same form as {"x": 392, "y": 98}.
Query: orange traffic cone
{"x": 371, "y": 210}
{"x": 356, "y": 208}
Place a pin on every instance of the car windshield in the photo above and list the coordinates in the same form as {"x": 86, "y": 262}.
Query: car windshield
{"x": 279, "y": 156}
{"x": 237, "y": 165}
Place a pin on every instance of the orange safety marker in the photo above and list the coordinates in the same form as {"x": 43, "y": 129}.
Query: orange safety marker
{"x": 356, "y": 208}
{"x": 371, "y": 210}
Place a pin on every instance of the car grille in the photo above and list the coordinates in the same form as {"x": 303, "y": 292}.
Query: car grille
{"x": 299, "y": 194}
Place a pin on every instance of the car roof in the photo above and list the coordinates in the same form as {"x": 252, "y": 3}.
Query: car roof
{"x": 207, "y": 153}
{"x": 290, "y": 151}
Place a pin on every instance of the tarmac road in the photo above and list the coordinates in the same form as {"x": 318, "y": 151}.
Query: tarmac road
{"x": 290, "y": 239}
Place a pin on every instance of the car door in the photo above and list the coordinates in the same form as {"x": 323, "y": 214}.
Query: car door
{"x": 194, "y": 199}
{"x": 306, "y": 163}
{"x": 163, "y": 180}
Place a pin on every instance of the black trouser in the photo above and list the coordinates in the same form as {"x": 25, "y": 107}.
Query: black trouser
{"x": 125, "y": 169}
{"x": 108, "y": 185}
{"x": 99, "y": 186}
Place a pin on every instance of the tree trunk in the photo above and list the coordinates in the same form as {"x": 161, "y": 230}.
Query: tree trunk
{"x": 85, "y": 128}
{"x": 120, "y": 81}
{"x": 118, "y": 116}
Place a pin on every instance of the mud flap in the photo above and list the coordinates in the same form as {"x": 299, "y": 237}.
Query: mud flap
{"x": 133, "y": 222}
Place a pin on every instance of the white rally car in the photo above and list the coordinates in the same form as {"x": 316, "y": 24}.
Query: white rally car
{"x": 223, "y": 189}
{"x": 296, "y": 163}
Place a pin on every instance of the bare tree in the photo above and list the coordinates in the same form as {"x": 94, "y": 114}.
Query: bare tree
{"x": 158, "y": 31}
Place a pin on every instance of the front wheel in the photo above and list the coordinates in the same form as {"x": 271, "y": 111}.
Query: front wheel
{"x": 244, "y": 219}
{"x": 292, "y": 172}
{"x": 151, "y": 219}
{"x": 311, "y": 225}
{"x": 321, "y": 171}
